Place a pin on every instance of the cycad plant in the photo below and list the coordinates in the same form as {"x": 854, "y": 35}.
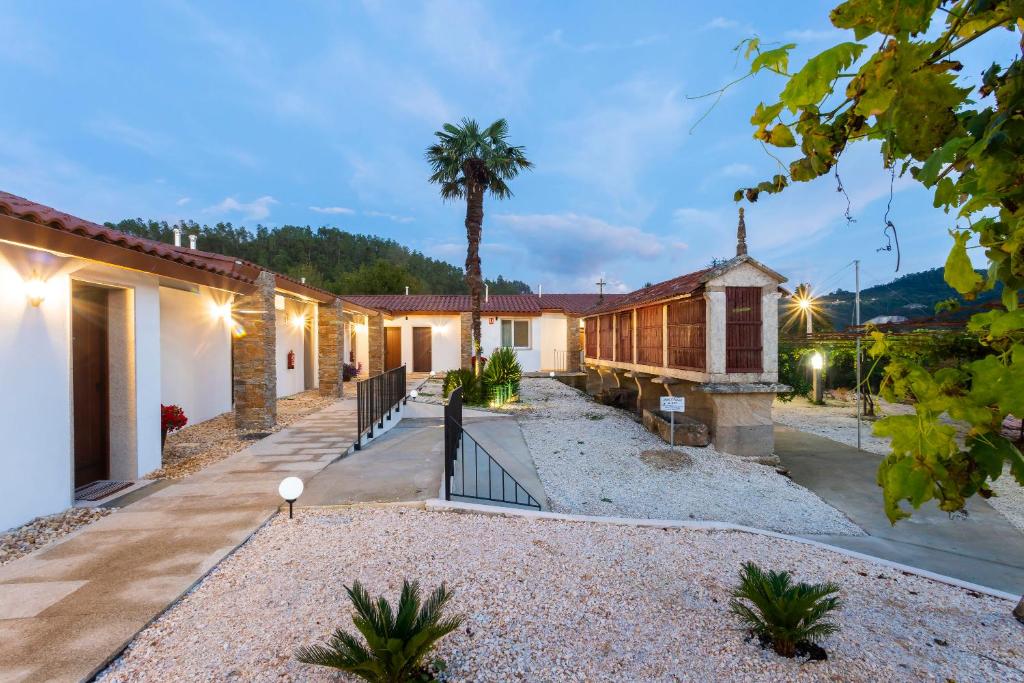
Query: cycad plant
{"x": 472, "y": 387}
{"x": 781, "y": 612}
{"x": 502, "y": 374}
{"x": 396, "y": 641}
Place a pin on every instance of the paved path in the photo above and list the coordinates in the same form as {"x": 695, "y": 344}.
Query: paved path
{"x": 64, "y": 611}
{"x": 982, "y": 548}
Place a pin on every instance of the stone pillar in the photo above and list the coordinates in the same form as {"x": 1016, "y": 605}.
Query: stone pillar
{"x": 770, "y": 332}
{"x": 607, "y": 377}
{"x": 572, "y": 344}
{"x": 254, "y": 358}
{"x": 375, "y": 344}
{"x": 331, "y": 347}
{"x": 593, "y": 380}
{"x": 715, "y": 348}
{"x": 466, "y": 341}
{"x": 648, "y": 393}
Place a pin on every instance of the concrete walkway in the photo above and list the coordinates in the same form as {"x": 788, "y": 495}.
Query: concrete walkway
{"x": 982, "y": 548}
{"x": 67, "y": 609}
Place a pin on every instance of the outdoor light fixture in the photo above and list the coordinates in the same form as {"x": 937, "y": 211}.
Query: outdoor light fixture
{"x": 35, "y": 291}
{"x": 220, "y": 311}
{"x": 298, "y": 320}
{"x": 551, "y": 374}
{"x": 817, "y": 361}
{"x": 290, "y": 489}
{"x": 413, "y": 394}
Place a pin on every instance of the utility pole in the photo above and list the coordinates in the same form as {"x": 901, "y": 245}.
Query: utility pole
{"x": 856, "y": 313}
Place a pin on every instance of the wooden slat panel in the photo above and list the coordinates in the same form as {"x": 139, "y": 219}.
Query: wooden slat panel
{"x": 607, "y": 336}
{"x": 743, "y": 352}
{"x": 624, "y": 339}
{"x": 686, "y": 334}
{"x": 649, "y": 336}
{"x": 590, "y": 337}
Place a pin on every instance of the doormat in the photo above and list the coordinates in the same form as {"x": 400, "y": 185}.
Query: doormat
{"x": 98, "y": 490}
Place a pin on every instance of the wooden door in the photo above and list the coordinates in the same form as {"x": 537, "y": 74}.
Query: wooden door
{"x": 89, "y": 383}
{"x": 743, "y": 329}
{"x": 422, "y": 347}
{"x": 392, "y": 347}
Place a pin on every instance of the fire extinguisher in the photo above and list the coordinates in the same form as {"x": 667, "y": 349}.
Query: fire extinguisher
{"x": 291, "y": 360}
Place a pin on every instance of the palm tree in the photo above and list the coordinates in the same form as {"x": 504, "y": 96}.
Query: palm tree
{"x": 467, "y": 162}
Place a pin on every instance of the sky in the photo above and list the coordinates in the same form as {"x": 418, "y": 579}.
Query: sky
{"x": 318, "y": 113}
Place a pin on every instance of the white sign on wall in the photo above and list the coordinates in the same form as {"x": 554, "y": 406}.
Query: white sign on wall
{"x": 673, "y": 404}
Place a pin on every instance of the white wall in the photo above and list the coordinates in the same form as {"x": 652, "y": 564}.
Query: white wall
{"x": 444, "y": 339}
{"x": 490, "y": 336}
{"x": 36, "y": 423}
{"x": 195, "y": 350}
{"x": 290, "y": 338}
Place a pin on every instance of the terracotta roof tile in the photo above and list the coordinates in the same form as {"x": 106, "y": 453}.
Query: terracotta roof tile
{"x": 24, "y": 209}
{"x": 461, "y": 303}
{"x": 677, "y": 286}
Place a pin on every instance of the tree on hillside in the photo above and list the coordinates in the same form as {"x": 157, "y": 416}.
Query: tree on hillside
{"x": 899, "y": 86}
{"x": 467, "y": 162}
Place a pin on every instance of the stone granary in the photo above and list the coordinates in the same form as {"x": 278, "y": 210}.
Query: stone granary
{"x": 710, "y": 336}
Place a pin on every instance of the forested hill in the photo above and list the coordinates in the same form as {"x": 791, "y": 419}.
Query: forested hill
{"x": 910, "y": 296}
{"x": 338, "y": 261}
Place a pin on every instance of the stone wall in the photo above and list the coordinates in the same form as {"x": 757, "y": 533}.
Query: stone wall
{"x": 572, "y": 344}
{"x": 375, "y": 343}
{"x": 331, "y": 333}
{"x": 255, "y": 369}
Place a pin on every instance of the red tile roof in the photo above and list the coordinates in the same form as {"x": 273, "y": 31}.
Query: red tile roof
{"x": 677, "y": 286}
{"x": 24, "y": 209}
{"x": 527, "y": 304}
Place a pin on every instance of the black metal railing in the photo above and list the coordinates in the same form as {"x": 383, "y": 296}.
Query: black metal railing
{"x": 376, "y": 398}
{"x": 478, "y": 475}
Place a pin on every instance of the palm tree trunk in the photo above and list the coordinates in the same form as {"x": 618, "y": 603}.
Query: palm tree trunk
{"x": 474, "y": 231}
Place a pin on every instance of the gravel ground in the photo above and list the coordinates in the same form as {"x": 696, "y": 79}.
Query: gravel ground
{"x": 42, "y": 530}
{"x": 838, "y": 421}
{"x": 597, "y": 460}
{"x": 562, "y": 601}
{"x": 196, "y": 446}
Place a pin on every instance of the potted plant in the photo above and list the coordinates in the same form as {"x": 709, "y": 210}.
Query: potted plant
{"x": 172, "y": 418}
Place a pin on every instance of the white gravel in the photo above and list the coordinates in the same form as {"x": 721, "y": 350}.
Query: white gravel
{"x": 589, "y": 459}
{"x": 562, "y": 601}
{"x": 41, "y": 531}
{"x": 838, "y": 421}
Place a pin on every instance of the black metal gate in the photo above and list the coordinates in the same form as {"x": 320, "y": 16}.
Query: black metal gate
{"x": 469, "y": 470}
{"x": 376, "y": 397}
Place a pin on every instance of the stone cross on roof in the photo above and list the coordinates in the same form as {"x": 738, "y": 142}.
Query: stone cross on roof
{"x": 741, "y": 236}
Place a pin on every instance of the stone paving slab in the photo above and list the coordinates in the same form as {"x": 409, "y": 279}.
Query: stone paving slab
{"x": 66, "y": 609}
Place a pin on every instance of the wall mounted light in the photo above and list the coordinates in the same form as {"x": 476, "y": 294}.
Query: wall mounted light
{"x": 298, "y": 321}
{"x": 35, "y": 290}
{"x": 220, "y": 311}
{"x": 290, "y": 489}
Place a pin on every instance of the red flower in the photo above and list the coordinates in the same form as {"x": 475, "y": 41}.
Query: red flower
{"x": 172, "y": 418}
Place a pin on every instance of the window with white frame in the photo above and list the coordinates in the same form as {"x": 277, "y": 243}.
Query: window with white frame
{"x": 515, "y": 334}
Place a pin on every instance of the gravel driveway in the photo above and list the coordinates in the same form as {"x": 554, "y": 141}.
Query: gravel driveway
{"x": 598, "y": 460}
{"x": 561, "y": 601}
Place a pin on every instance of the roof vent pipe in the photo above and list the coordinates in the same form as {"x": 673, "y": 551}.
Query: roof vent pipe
{"x": 192, "y": 241}
{"x": 540, "y": 291}
{"x": 487, "y": 292}
{"x": 303, "y": 280}
{"x": 407, "y": 290}
{"x": 177, "y": 237}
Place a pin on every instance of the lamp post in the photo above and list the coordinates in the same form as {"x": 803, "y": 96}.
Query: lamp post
{"x": 290, "y": 489}
{"x": 817, "y": 362}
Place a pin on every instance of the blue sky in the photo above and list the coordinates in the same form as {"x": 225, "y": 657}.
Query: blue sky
{"x": 318, "y": 113}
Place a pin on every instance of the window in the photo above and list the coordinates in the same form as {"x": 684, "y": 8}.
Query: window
{"x": 515, "y": 334}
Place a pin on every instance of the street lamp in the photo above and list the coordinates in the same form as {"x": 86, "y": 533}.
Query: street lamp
{"x": 290, "y": 489}
{"x": 413, "y": 394}
{"x": 817, "y": 363}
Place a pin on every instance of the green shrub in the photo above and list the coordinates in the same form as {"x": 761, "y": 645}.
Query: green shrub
{"x": 501, "y": 376}
{"x": 782, "y": 613}
{"x": 472, "y": 388}
{"x": 396, "y": 641}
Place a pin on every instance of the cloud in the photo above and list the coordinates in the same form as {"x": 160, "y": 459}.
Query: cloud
{"x": 573, "y": 244}
{"x": 721, "y": 23}
{"x": 687, "y": 216}
{"x": 183, "y": 201}
{"x": 332, "y": 209}
{"x": 390, "y": 216}
{"x": 557, "y": 38}
{"x": 256, "y": 210}
{"x": 649, "y": 119}
{"x": 736, "y": 170}
{"x": 116, "y": 130}
{"x": 814, "y": 36}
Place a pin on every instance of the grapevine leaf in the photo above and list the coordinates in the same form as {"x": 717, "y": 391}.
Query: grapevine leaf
{"x": 884, "y": 16}
{"x": 774, "y": 60}
{"x": 990, "y": 451}
{"x": 781, "y": 136}
{"x": 764, "y": 115}
{"x": 942, "y": 156}
{"x": 960, "y": 273}
{"x": 814, "y": 80}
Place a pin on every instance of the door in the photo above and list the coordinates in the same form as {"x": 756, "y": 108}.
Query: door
{"x": 89, "y": 375}
{"x": 421, "y": 349}
{"x": 392, "y": 347}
